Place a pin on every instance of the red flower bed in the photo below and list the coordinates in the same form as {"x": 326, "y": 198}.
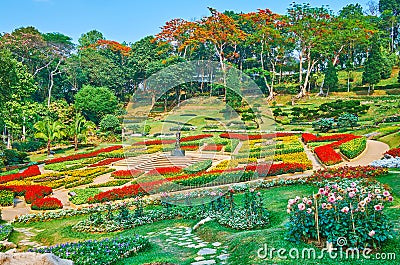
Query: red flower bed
{"x": 126, "y": 173}
{"x": 164, "y": 171}
{"x": 245, "y": 137}
{"x": 394, "y": 152}
{"x": 29, "y": 172}
{"x": 190, "y": 147}
{"x": 80, "y": 156}
{"x": 348, "y": 172}
{"x": 171, "y": 141}
{"x": 46, "y": 204}
{"x": 327, "y": 155}
{"x": 264, "y": 170}
{"x": 133, "y": 190}
{"x": 118, "y": 194}
{"x": 213, "y": 147}
{"x": 31, "y": 192}
{"x": 106, "y": 161}
{"x": 195, "y": 137}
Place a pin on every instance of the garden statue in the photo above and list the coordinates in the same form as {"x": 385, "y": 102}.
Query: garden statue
{"x": 178, "y": 151}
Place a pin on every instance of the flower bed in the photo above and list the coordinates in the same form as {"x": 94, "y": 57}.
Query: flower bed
{"x": 395, "y": 152}
{"x": 83, "y": 155}
{"x": 118, "y": 194}
{"x": 110, "y": 183}
{"x": 359, "y": 207}
{"x": 171, "y": 141}
{"x": 387, "y": 162}
{"x": 198, "y": 166}
{"x": 5, "y": 231}
{"x": 82, "y": 195}
{"x": 213, "y": 147}
{"x": 164, "y": 171}
{"x": 190, "y": 147}
{"x": 102, "y": 252}
{"x": 353, "y": 148}
{"x": 347, "y": 173}
{"x": 46, "y": 204}
{"x": 327, "y": 155}
{"x": 73, "y": 164}
{"x": 265, "y": 170}
{"x": 105, "y": 162}
{"x": 249, "y": 215}
{"x": 31, "y": 192}
{"x": 6, "y": 198}
{"x": 246, "y": 137}
{"x": 29, "y": 172}
{"x": 126, "y": 174}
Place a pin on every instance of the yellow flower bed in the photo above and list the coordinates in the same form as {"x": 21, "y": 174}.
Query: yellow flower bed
{"x": 300, "y": 157}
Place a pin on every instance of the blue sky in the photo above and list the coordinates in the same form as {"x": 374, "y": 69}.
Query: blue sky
{"x": 126, "y": 20}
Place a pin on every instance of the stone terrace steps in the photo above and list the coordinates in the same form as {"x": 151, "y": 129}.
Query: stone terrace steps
{"x": 161, "y": 160}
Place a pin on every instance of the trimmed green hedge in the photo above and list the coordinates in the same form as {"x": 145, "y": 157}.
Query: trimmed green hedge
{"x": 6, "y": 198}
{"x": 198, "y": 166}
{"x": 353, "y": 148}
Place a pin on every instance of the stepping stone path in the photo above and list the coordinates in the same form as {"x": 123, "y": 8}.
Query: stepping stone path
{"x": 208, "y": 253}
{"x": 28, "y": 234}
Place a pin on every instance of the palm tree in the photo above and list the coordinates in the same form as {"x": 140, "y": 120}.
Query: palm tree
{"x": 79, "y": 129}
{"x": 49, "y": 131}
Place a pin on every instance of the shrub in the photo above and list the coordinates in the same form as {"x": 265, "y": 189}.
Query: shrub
{"x": 82, "y": 195}
{"x": 213, "y": 147}
{"x": 359, "y": 207}
{"x": 324, "y": 124}
{"x": 110, "y": 123}
{"x": 6, "y": 198}
{"x": 46, "y": 204}
{"x": 5, "y": 231}
{"x": 347, "y": 120}
{"x": 353, "y": 148}
{"x": 101, "y": 252}
{"x": 198, "y": 166}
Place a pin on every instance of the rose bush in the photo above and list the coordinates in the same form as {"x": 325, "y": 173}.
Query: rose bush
{"x": 352, "y": 209}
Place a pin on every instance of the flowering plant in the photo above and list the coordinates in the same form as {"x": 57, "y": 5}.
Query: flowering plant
{"x": 83, "y": 155}
{"x": 46, "y": 204}
{"x": 105, "y": 251}
{"x": 29, "y": 172}
{"x": 349, "y": 209}
{"x": 395, "y": 152}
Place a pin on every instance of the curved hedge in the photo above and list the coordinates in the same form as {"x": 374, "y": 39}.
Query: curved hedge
{"x": 353, "y": 148}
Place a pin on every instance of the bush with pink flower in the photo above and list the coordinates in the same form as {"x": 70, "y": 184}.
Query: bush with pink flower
{"x": 349, "y": 208}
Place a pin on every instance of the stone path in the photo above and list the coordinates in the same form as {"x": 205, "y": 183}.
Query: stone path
{"x": 28, "y": 234}
{"x": 183, "y": 237}
{"x": 315, "y": 163}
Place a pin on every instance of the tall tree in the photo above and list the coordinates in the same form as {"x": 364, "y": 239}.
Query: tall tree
{"x": 310, "y": 27}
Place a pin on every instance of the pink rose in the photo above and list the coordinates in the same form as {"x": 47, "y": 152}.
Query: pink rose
{"x": 352, "y": 194}
{"x": 386, "y": 193}
{"x": 331, "y": 199}
{"x": 309, "y": 210}
{"x": 345, "y": 210}
{"x": 371, "y": 233}
{"x": 378, "y": 207}
{"x": 301, "y": 206}
{"x": 390, "y": 198}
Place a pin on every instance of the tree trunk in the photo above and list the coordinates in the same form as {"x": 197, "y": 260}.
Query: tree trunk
{"x": 23, "y": 130}
{"x": 269, "y": 87}
{"x": 9, "y": 146}
{"x": 348, "y": 82}
{"x": 165, "y": 103}
{"x": 48, "y": 147}
{"x": 76, "y": 142}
